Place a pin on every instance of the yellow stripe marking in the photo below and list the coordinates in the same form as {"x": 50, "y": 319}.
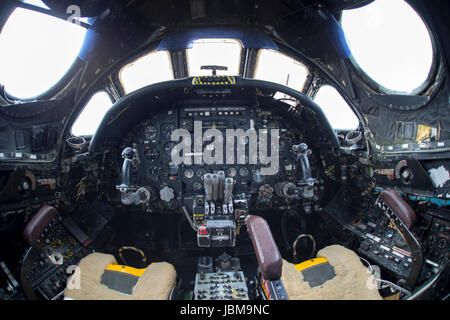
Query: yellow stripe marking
{"x": 309, "y": 263}
{"x": 126, "y": 269}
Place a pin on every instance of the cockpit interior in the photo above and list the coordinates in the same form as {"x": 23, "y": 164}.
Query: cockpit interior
{"x": 224, "y": 150}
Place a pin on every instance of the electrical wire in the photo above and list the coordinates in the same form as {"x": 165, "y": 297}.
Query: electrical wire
{"x": 393, "y": 285}
{"x": 379, "y": 280}
{"x": 369, "y": 266}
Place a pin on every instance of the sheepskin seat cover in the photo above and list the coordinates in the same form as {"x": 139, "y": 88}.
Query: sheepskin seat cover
{"x": 353, "y": 281}
{"x": 155, "y": 283}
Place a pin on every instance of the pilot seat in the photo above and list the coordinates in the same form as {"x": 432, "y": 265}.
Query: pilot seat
{"x": 96, "y": 276}
{"x": 336, "y": 273}
{"x": 99, "y": 277}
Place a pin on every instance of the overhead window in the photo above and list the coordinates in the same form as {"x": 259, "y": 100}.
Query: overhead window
{"x": 151, "y": 68}
{"x": 214, "y": 52}
{"x": 390, "y": 43}
{"x": 92, "y": 114}
{"x": 277, "y": 67}
{"x": 37, "y": 3}
{"x": 336, "y": 109}
{"x": 36, "y": 51}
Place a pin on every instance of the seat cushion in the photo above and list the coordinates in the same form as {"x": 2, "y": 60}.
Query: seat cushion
{"x": 155, "y": 283}
{"x": 353, "y": 281}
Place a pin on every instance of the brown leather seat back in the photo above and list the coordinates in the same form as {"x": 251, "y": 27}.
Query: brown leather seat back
{"x": 266, "y": 250}
{"x": 402, "y": 209}
{"x": 38, "y": 223}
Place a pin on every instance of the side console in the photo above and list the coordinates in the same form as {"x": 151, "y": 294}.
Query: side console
{"x": 391, "y": 236}
{"x": 51, "y": 258}
{"x": 382, "y": 243}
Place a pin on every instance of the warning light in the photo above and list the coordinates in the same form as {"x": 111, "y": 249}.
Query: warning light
{"x": 202, "y": 230}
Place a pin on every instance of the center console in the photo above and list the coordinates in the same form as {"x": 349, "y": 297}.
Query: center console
{"x": 221, "y": 279}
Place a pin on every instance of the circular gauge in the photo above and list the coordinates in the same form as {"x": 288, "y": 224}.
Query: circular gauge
{"x": 187, "y": 124}
{"x": 152, "y": 173}
{"x": 231, "y": 172}
{"x": 150, "y": 132}
{"x": 200, "y": 173}
{"x": 151, "y": 154}
{"x": 257, "y": 176}
{"x": 172, "y": 169}
{"x": 166, "y": 130}
{"x": 188, "y": 173}
{"x": 244, "y": 172}
{"x": 168, "y": 147}
{"x": 197, "y": 186}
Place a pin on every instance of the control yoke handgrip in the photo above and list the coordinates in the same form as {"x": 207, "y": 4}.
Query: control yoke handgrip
{"x": 128, "y": 155}
{"x": 266, "y": 250}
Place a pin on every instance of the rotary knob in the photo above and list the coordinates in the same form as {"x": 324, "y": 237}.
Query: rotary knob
{"x": 265, "y": 192}
{"x": 167, "y": 194}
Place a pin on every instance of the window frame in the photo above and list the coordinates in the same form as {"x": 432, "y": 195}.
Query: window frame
{"x": 435, "y": 68}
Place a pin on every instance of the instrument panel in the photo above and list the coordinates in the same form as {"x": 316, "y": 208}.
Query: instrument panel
{"x": 168, "y": 180}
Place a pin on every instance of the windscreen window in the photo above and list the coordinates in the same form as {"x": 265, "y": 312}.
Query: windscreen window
{"x": 92, "y": 114}
{"x": 279, "y": 68}
{"x": 152, "y": 68}
{"x": 214, "y": 52}
{"x": 336, "y": 109}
